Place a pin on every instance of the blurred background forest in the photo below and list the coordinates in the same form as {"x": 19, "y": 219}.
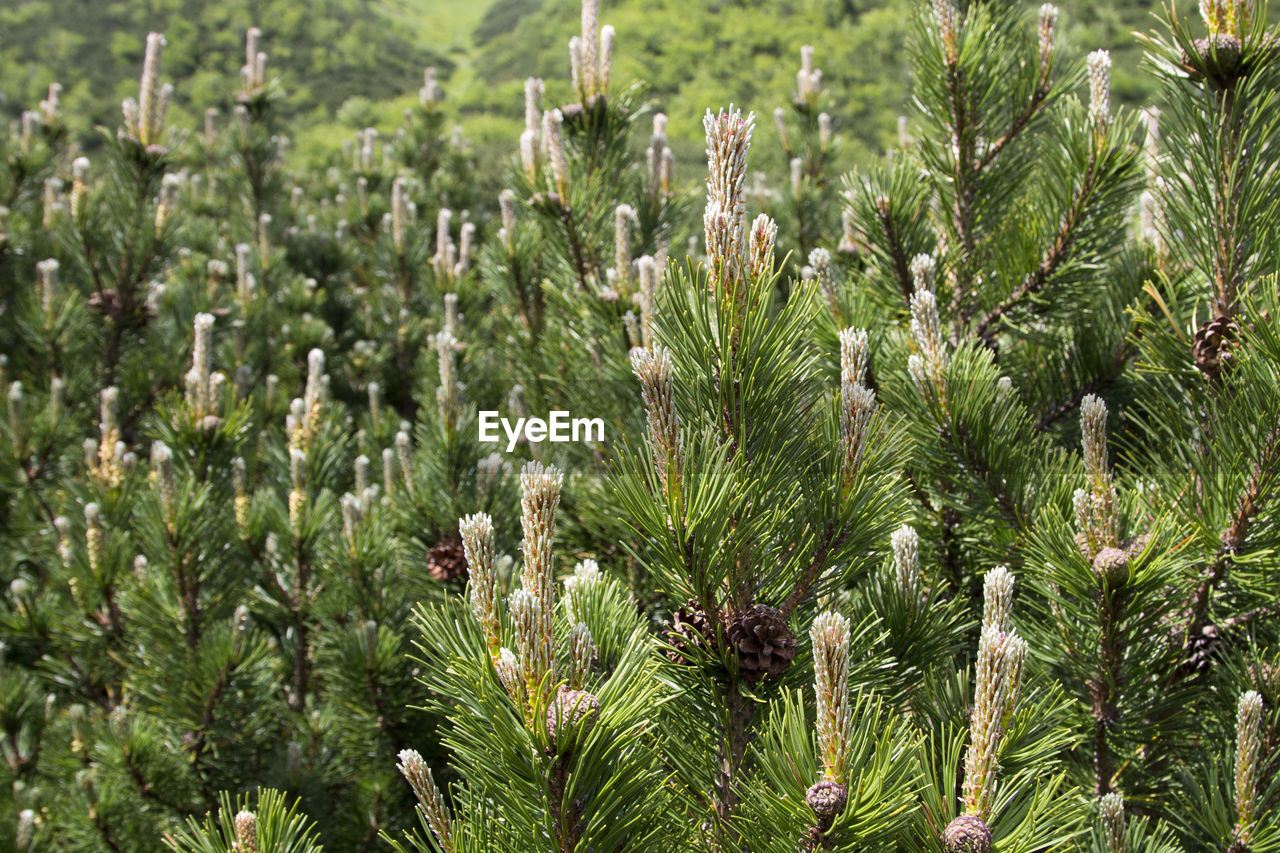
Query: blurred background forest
{"x": 348, "y": 64}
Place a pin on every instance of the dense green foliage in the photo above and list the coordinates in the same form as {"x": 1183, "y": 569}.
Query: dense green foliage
{"x": 934, "y": 504}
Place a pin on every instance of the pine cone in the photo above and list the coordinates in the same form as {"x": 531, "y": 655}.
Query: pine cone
{"x": 446, "y": 560}
{"x": 765, "y": 644}
{"x": 1214, "y": 342}
{"x": 1238, "y": 846}
{"x": 967, "y": 834}
{"x": 690, "y": 629}
{"x": 1216, "y": 58}
{"x": 1111, "y": 566}
{"x": 570, "y": 707}
{"x": 827, "y": 800}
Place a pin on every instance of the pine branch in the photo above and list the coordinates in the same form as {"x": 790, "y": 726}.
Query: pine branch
{"x": 1053, "y": 259}
{"x": 897, "y": 251}
{"x": 1248, "y": 505}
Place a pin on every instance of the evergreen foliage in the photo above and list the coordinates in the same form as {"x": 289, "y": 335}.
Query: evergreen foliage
{"x": 931, "y": 507}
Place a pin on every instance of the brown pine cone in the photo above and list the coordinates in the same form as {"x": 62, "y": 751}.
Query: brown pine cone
{"x": 827, "y": 799}
{"x": 690, "y": 629}
{"x": 765, "y": 644}
{"x": 967, "y": 834}
{"x": 569, "y": 708}
{"x": 1111, "y": 567}
{"x": 446, "y": 560}
{"x": 1213, "y": 344}
{"x": 1216, "y": 58}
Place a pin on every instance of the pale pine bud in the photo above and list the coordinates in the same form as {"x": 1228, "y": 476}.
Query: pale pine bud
{"x": 162, "y": 464}
{"x": 388, "y": 471}
{"x": 430, "y": 801}
{"x": 607, "y": 34}
{"x": 25, "y": 835}
{"x": 824, "y": 272}
{"x": 399, "y": 213}
{"x": 1099, "y": 63}
{"x": 375, "y": 405}
{"x": 298, "y": 494}
{"x": 529, "y": 154}
{"x": 1048, "y": 35}
{"x": 90, "y": 448}
{"x": 922, "y": 269}
{"x": 857, "y": 408}
{"x": 533, "y": 106}
{"x": 539, "y": 497}
{"x": 1001, "y": 658}
{"x": 947, "y": 19}
{"x": 1214, "y": 13}
{"x": 647, "y": 271}
{"x": 764, "y": 236}
{"x": 853, "y": 356}
{"x": 507, "y": 665}
{"x": 443, "y": 242}
{"x": 79, "y": 185}
{"x": 57, "y": 397}
{"x": 553, "y": 140}
{"x": 590, "y": 66}
{"x": 351, "y": 515}
{"x": 657, "y": 388}
{"x": 109, "y": 401}
{"x": 507, "y": 207}
{"x": 405, "y": 460}
{"x": 824, "y": 131}
{"x": 201, "y": 361}
{"x": 152, "y": 101}
{"x": 243, "y": 287}
{"x": 52, "y": 200}
{"x": 582, "y": 655}
{"x": 926, "y": 331}
{"x": 906, "y": 561}
{"x": 623, "y": 216}
{"x": 533, "y": 639}
{"x": 429, "y": 94}
{"x": 797, "y": 177}
{"x": 62, "y": 527}
{"x": 466, "y": 239}
{"x": 830, "y": 637}
{"x": 478, "y": 547}
{"x": 577, "y": 587}
{"x": 997, "y": 594}
{"x": 246, "y": 826}
{"x": 1111, "y": 810}
{"x": 448, "y": 394}
{"x": 94, "y": 547}
{"x": 1103, "y": 527}
{"x": 848, "y": 232}
{"x": 1248, "y": 753}
{"x": 48, "y": 272}
{"x": 724, "y": 221}
{"x": 15, "y": 407}
{"x": 808, "y": 79}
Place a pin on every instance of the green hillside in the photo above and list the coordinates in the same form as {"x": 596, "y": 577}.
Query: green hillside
{"x": 347, "y": 63}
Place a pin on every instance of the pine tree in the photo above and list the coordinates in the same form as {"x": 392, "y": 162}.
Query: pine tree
{"x": 934, "y": 514}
